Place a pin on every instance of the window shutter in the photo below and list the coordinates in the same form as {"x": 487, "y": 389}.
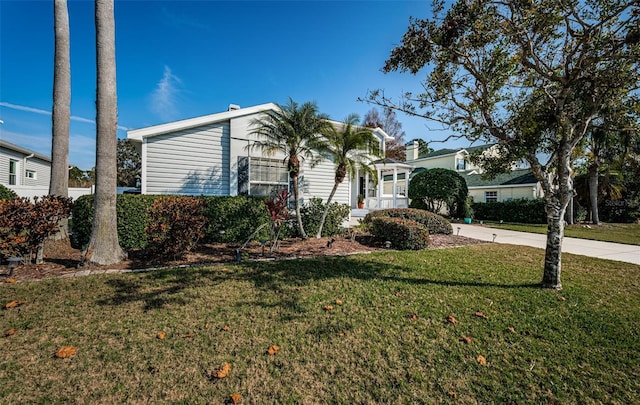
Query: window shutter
{"x": 243, "y": 175}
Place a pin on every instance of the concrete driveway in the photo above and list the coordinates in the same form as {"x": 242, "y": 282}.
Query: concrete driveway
{"x": 584, "y": 247}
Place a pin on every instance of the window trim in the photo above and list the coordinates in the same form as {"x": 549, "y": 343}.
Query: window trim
{"x": 30, "y": 174}
{"x": 13, "y": 172}
{"x": 274, "y": 184}
{"x": 490, "y": 196}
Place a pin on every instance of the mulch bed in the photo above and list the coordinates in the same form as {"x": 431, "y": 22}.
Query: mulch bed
{"x": 61, "y": 259}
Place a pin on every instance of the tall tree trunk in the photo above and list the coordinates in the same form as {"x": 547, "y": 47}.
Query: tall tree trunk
{"x": 296, "y": 202}
{"x": 553, "y": 251}
{"x": 104, "y": 247}
{"x": 61, "y": 111}
{"x": 326, "y": 209}
{"x": 592, "y": 180}
{"x": 556, "y": 205}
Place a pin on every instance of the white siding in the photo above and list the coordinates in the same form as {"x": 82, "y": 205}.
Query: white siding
{"x": 42, "y": 171}
{"x": 319, "y": 181}
{"x": 193, "y": 162}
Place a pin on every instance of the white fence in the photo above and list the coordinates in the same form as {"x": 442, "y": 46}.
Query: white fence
{"x": 39, "y": 191}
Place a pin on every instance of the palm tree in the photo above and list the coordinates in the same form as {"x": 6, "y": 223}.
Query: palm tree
{"x": 295, "y": 131}
{"x": 61, "y": 112}
{"x": 352, "y": 149}
{"x": 104, "y": 247}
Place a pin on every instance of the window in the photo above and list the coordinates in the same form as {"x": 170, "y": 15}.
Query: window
{"x": 13, "y": 171}
{"x": 461, "y": 164}
{"x": 490, "y": 196}
{"x": 30, "y": 174}
{"x": 267, "y": 176}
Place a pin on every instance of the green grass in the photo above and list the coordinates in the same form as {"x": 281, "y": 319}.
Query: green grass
{"x": 580, "y": 345}
{"x": 619, "y": 233}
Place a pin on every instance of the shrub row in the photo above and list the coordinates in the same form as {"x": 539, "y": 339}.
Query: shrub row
{"x": 521, "y": 210}
{"x": 403, "y": 234}
{"x": 176, "y": 225}
{"x": 228, "y": 219}
{"x": 433, "y": 222}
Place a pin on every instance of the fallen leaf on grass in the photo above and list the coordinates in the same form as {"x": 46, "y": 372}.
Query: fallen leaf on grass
{"x": 466, "y": 339}
{"x": 273, "y": 350}
{"x": 511, "y": 329}
{"x": 188, "y": 335}
{"x": 328, "y": 308}
{"x": 10, "y": 280}
{"x": 235, "y": 398}
{"x": 339, "y": 302}
{"x": 482, "y": 360}
{"x": 451, "y": 319}
{"x": 413, "y": 317}
{"x": 66, "y": 351}
{"x": 481, "y": 315}
{"x": 226, "y": 328}
{"x": 10, "y": 332}
{"x": 399, "y": 294}
{"x": 161, "y": 335}
{"x": 561, "y": 298}
{"x": 223, "y": 372}
{"x": 14, "y": 304}
{"x": 453, "y": 394}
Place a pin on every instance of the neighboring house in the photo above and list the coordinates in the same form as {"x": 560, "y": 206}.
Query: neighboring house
{"x": 519, "y": 183}
{"x": 211, "y": 155}
{"x": 27, "y": 173}
{"x": 20, "y": 167}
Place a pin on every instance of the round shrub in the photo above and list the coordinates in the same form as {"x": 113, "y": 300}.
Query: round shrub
{"x": 434, "y": 222}
{"x": 438, "y": 188}
{"x": 6, "y": 193}
{"x": 403, "y": 234}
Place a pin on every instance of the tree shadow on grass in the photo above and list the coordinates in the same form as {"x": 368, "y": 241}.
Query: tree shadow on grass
{"x": 283, "y": 277}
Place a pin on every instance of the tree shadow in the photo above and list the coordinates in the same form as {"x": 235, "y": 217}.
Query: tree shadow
{"x": 283, "y": 277}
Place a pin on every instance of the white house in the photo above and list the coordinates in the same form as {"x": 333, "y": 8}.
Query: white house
{"x": 519, "y": 183}
{"x": 23, "y": 170}
{"x": 211, "y": 155}
{"x": 28, "y": 173}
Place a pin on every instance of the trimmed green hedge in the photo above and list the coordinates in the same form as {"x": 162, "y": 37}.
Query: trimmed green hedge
{"x": 403, "y": 234}
{"x": 132, "y": 220}
{"x": 434, "y": 222}
{"x": 523, "y": 211}
{"x": 234, "y": 219}
{"x": 237, "y": 216}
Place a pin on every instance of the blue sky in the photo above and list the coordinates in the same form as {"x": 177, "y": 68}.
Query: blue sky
{"x": 181, "y": 59}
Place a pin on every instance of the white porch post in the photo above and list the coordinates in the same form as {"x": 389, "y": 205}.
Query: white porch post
{"x": 366, "y": 190}
{"x": 380, "y": 187}
{"x": 395, "y": 187}
{"x": 406, "y": 186}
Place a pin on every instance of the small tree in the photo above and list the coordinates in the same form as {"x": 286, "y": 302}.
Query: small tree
{"x": 352, "y": 149}
{"x": 395, "y": 148}
{"x": 438, "y": 188}
{"x": 129, "y": 164}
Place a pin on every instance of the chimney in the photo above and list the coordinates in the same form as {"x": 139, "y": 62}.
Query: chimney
{"x": 412, "y": 150}
{"x": 233, "y": 107}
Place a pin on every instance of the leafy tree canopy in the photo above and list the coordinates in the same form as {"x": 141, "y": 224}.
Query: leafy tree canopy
{"x": 531, "y": 76}
{"x": 129, "y": 164}
{"x": 438, "y": 188}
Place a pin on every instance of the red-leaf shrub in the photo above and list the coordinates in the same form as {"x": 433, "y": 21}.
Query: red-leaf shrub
{"x": 25, "y": 225}
{"x": 403, "y": 234}
{"x": 175, "y": 226}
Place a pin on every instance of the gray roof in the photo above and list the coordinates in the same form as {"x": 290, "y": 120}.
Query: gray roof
{"x": 24, "y": 151}
{"x": 514, "y": 178}
{"x": 449, "y": 151}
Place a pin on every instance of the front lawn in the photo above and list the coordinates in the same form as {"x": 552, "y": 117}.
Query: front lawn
{"x": 354, "y": 329}
{"x": 619, "y": 233}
